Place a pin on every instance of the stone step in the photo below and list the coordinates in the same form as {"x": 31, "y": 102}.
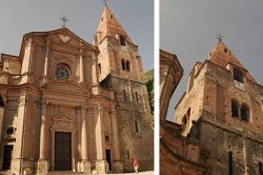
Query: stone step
{"x": 5, "y": 173}
{"x": 64, "y": 172}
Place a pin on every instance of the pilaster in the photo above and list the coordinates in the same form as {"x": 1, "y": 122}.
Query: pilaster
{"x": 84, "y": 164}
{"x": 42, "y": 163}
{"x": 117, "y": 164}
{"x": 45, "y": 78}
{"x": 81, "y": 70}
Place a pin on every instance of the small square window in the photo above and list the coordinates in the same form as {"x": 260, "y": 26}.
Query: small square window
{"x": 122, "y": 41}
{"x": 238, "y": 75}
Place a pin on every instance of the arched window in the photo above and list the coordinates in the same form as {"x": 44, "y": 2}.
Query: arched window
{"x": 136, "y": 126}
{"x": 184, "y": 122}
{"x": 137, "y": 98}
{"x": 260, "y": 168}
{"x": 123, "y": 64}
{"x": 230, "y": 163}
{"x": 188, "y": 113}
{"x": 245, "y": 112}
{"x": 122, "y": 40}
{"x": 124, "y": 95}
{"x": 235, "y": 108}
{"x": 128, "y": 67}
{"x": 62, "y": 71}
{"x": 99, "y": 66}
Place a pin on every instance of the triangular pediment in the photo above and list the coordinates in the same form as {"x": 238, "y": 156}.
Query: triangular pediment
{"x": 61, "y": 36}
{"x": 63, "y": 116}
{"x": 65, "y": 36}
{"x": 65, "y": 86}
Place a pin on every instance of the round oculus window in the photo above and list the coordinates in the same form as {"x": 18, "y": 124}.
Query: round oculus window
{"x": 62, "y": 72}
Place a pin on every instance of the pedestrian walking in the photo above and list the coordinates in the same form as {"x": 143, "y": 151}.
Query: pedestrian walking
{"x": 136, "y": 165}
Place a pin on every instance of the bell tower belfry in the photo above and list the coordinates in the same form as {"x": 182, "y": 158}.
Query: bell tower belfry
{"x": 118, "y": 54}
{"x": 120, "y": 69}
{"x": 221, "y": 111}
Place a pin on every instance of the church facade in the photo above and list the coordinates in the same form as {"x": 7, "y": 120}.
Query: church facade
{"x": 178, "y": 155}
{"x": 74, "y": 106}
{"x": 221, "y": 111}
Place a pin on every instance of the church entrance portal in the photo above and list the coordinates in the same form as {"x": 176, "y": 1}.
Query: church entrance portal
{"x": 63, "y": 151}
{"x": 108, "y": 158}
{"x": 7, "y": 157}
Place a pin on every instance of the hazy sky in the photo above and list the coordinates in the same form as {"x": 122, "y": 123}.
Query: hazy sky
{"x": 20, "y": 17}
{"x": 188, "y": 29}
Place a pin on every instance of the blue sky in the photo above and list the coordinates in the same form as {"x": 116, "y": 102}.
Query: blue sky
{"x": 21, "y": 17}
{"x": 188, "y": 29}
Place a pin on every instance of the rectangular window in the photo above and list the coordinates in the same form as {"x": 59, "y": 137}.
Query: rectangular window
{"x": 122, "y": 40}
{"x": 260, "y": 168}
{"x": 124, "y": 95}
{"x": 136, "y": 126}
{"x": 128, "y": 154}
{"x": 238, "y": 75}
{"x": 137, "y": 98}
{"x": 230, "y": 163}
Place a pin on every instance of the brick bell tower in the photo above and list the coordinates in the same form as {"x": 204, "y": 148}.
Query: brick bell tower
{"x": 120, "y": 69}
{"x": 222, "y": 111}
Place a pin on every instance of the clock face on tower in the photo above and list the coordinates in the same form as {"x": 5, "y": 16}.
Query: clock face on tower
{"x": 239, "y": 85}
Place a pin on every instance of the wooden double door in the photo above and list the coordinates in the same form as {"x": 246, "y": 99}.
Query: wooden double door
{"x": 63, "y": 151}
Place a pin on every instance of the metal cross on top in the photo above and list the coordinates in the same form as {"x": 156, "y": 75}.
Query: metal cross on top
{"x": 64, "y": 20}
{"x": 105, "y": 2}
{"x": 220, "y": 36}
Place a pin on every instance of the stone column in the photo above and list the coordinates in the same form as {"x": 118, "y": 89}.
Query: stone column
{"x": 26, "y": 67}
{"x": 81, "y": 77}
{"x": 100, "y": 162}
{"x": 42, "y": 164}
{"x": 94, "y": 70}
{"x": 18, "y": 153}
{"x": 94, "y": 76}
{"x": 45, "y": 78}
{"x": 81, "y": 70}
{"x": 84, "y": 164}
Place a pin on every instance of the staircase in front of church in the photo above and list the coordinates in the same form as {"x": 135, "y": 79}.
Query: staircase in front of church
{"x": 64, "y": 173}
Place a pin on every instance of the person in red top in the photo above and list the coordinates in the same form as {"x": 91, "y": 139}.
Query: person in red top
{"x": 136, "y": 165}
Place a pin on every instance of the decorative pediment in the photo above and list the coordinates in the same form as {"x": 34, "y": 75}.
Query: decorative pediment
{"x": 63, "y": 122}
{"x": 64, "y": 38}
{"x": 65, "y": 86}
{"x": 64, "y": 35}
{"x": 63, "y": 117}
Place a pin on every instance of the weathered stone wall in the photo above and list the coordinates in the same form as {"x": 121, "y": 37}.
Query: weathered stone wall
{"x": 179, "y": 155}
{"x": 228, "y": 143}
{"x": 218, "y": 140}
{"x": 190, "y": 107}
{"x": 135, "y": 132}
{"x": 221, "y": 133}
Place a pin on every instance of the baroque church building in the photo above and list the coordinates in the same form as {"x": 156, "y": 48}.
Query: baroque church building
{"x": 221, "y": 118}
{"x": 178, "y": 154}
{"x": 68, "y": 105}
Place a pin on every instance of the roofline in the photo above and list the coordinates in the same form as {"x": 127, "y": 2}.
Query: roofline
{"x": 53, "y": 31}
{"x": 8, "y": 55}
